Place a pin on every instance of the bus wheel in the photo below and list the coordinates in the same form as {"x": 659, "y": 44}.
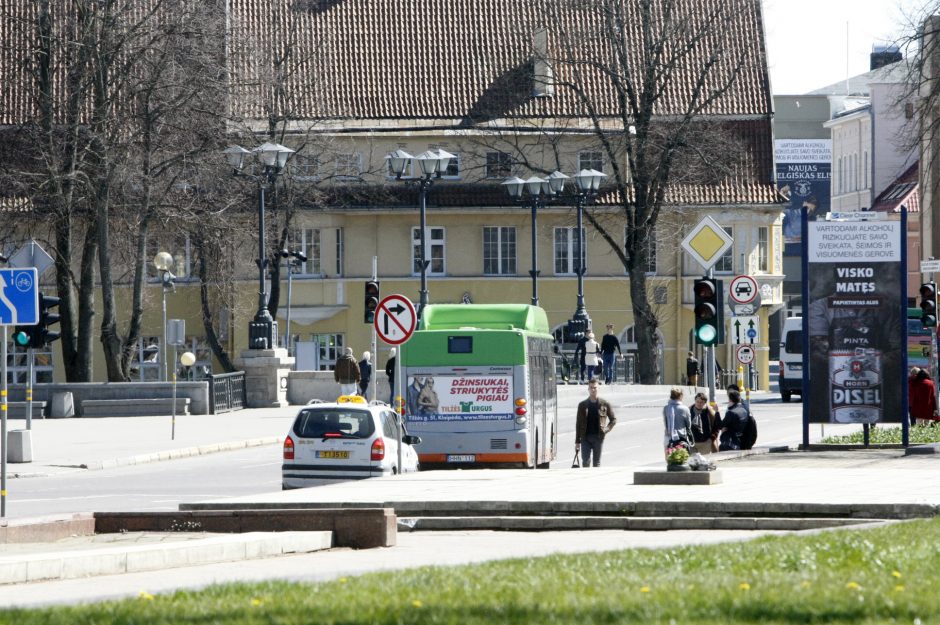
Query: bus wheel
{"x": 538, "y": 465}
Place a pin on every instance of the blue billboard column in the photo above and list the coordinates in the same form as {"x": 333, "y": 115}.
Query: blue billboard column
{"x": 905, "y": 399}
{"x": 807, "y": 389}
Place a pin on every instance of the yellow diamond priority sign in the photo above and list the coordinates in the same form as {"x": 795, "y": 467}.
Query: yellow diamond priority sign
{"x": 707, "y": 242}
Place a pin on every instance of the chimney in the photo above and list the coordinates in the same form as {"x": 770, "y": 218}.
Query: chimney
{"x": 882, "y": 55}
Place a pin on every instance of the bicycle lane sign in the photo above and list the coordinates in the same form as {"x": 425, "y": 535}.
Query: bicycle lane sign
{"x": 395, "y": 319}
{"x": 19, "y": 297}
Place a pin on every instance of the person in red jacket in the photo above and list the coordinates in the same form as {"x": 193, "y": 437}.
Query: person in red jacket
{"x": 922, "y": 396}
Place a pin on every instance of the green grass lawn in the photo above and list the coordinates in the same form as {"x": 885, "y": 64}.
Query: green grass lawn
{"x": 887, "y": 574}
{"x": 919, "y": 434}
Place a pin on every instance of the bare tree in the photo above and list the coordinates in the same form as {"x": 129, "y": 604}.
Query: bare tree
{"x": 661, "y": 83}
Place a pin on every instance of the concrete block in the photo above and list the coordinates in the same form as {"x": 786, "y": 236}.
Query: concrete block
{"x": 919, "y": 450}
{"x": 19, "y": 446}
{"x": 43, "y": 568}
{"x": 62, "y": 406}
{"x": 12, "y": 571}
{"x": 90, "y": 564}
{"x": 677, "y": 478}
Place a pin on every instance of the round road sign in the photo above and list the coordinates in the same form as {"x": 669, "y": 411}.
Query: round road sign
{"x": 395, "y": 319}
{"x": 745, "y": 354}
{"x": 743, "y": 289}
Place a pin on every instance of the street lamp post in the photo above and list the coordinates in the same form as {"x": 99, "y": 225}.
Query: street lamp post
{"x": 587, "y": 181}
{"x": 539, "y": 189}
{"x": 262, "y": 330}
{"x": 433, "y": 164}
{"x": 294, "y": 259}
{"x": 163, "y": 261}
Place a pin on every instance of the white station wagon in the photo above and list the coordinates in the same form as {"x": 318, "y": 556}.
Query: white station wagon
{"x": 346, "y": 440}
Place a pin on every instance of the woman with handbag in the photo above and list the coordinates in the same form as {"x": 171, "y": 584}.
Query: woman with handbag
{"x": 706, "y": 424}
{"x": 678, "y": 422}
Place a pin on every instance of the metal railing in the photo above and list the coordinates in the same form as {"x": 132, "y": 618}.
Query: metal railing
{"x": 566, "y": 369}
{"x": 226, "y": 392}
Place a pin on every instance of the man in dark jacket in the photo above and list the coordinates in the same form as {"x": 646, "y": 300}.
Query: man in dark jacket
{"x": 609, "y": 343}
{"x": 365, "y": 374}
{"x": 346, "y": 372}
{"x": 734, "y": 423}
{"x": 579, "y": 352}
{"x": 595, "y": 419}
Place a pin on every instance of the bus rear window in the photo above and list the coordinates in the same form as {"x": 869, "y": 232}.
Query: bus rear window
{"x": 459, "y": 344}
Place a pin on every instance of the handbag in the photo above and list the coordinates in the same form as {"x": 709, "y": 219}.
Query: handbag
{"x": 576, "y": 463}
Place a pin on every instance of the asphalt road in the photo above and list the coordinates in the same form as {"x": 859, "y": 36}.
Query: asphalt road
{"x": 636, "y": 440}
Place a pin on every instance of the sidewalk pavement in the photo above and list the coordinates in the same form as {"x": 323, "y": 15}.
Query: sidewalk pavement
{"x": 64, "y": 445}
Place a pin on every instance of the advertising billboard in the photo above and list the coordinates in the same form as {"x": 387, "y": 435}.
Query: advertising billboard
{"x": 463, "y": 397}
{"x": 856, "y": 320}
{"x": 803, "y": 169}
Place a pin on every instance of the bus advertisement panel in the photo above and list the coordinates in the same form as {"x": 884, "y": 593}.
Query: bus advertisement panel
{"x": 462, "y": 397}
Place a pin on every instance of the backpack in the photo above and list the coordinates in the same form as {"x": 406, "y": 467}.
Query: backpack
{"x": 749, "y": 436}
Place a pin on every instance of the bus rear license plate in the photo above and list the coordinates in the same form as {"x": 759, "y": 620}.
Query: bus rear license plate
{"x": 333, "y": 455}
{"x": 461, "y": 458}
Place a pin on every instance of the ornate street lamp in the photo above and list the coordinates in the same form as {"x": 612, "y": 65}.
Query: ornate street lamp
{"x": 262, "y": 330}
{"x": 538, "y": 189}
{"x": 587, "y": 182}
{"x": 433, "y": 164}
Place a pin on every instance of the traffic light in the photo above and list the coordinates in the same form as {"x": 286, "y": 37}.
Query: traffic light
{"x": 928, "y": 304}
{"x": 371, "y": 300}
{"x": 23, "y": 336}
{"x": 709, "y": 328}
{"x": 43, "y": 334}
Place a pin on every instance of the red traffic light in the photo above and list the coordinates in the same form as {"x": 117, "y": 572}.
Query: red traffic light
{"x": 928, "y": 290}
{"x": 372, "y": 288}
{"x": 704, "y": 289}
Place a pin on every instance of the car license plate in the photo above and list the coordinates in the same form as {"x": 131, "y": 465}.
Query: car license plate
{"x": 333, "y": 455}
{"x": 461, "y": 458}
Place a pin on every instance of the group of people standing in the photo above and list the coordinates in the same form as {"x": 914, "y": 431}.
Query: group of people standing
{"x": 700, "y": 426}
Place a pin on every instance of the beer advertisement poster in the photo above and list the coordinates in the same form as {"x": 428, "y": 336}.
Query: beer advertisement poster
{"x": 854, "y": 321}
{"x": 803, "y": 169}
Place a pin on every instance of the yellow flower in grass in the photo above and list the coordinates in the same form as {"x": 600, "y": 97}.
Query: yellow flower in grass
{"x": 644, "y": 589}
{"x": 805, "y": 584}
{"x": 417, "y": 603}
{"x": 145, "y": 596}
{"x": 896, "y": 574}
{"x": 899, "y": 588}
{"x": 343, "y": 580}
{"x": 744, "y": 586}
{"x": 256, "y": 602}
{"x": 853, "y": 586}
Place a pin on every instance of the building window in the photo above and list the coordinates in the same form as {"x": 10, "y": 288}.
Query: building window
{"x": 435, "y": 245}
{"x": 348, "y": 166}
{"x": 567, "y": 251}
{"x": 841, "y": 176}
{"x": 763, "y": 249}
{"x": 726, "y": 262}
{"x": 591, "y": 159}
{"x": 330, "y": 348}
{"x": 499, "y": 251}
{"x": 866, "y": 169}
{"x": 498, "y": 165}
{"x": 453, "y": 168}
{"x": 304, "y": 167}
{"x": 309, "y": 242}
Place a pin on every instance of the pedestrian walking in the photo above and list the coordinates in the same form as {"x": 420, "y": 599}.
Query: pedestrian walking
{"x": 922, "y": 397}
{"x": 365, "y": 374}
{"x": 691, "y": 370}
{"x": 579, "y": 355}
{"x": 677, "y": 421}
{"x": 592, "y": 354}
{"x": 610, "y": 343}
{"x": 706, "y": 424}
{"x": 594, "y": 421}
{"x": 346, "y": 372}
{"x": 390, "y": 373}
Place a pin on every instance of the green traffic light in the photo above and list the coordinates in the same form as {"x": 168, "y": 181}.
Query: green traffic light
{"x": 707, "y": 334}
{"x": 21, "y": 339}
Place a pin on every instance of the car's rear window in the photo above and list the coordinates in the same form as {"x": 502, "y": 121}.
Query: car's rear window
{"x": 318, "y": 422}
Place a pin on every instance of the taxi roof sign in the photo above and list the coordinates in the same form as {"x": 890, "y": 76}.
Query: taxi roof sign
{"x": 707, "y": 242}
{"x": 351, "y": 399}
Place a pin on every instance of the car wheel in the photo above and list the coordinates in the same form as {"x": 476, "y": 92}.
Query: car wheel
{"x": 785, "y": 396}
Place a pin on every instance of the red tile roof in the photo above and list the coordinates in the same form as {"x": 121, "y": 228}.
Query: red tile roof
{"x": 458, "y": 59}
{"x": 904, "y": 191}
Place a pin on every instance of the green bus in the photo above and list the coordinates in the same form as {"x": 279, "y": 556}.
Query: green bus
{"x": 481, "y": 387}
